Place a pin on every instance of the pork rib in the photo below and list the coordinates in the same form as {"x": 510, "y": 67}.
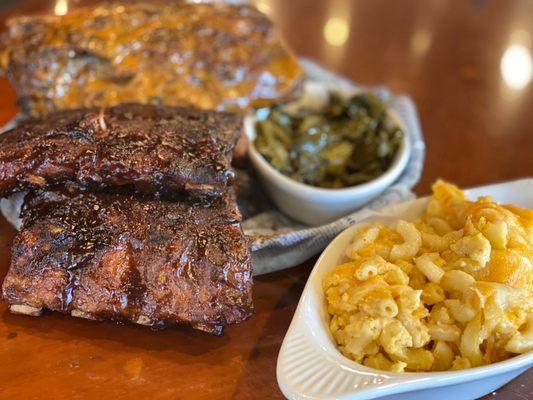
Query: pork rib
{"x": 154, "y": 149}
{"x": 211, "y": 56}
{"x": 112, "y": 256}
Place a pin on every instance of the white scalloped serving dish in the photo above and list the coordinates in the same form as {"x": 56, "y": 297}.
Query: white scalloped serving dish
{"x": 311, "y": 367}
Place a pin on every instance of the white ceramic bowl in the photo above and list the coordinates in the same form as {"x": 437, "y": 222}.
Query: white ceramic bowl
{"x": 311, "y": 367}
{"x": 316, "y": 206}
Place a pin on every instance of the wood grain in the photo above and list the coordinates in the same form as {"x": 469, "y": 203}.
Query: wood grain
{"x": 478, "y": 130}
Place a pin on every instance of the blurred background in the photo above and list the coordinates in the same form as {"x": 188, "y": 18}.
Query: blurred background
{"x": 467, "y": 64}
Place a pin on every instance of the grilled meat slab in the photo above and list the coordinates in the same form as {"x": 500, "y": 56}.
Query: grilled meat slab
{"x": 154, "y": 149}
{"x": 114, "y": 256}
{"x": 211, "y": 56}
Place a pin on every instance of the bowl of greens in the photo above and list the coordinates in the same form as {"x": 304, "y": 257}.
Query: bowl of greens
{"x": 328, "y": 153}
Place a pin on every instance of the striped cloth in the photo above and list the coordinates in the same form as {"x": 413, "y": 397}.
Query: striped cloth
{"x": 279, "y": 242}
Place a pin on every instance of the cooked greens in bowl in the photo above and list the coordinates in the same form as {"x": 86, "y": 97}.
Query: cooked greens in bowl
{"x": 341, "y": 143}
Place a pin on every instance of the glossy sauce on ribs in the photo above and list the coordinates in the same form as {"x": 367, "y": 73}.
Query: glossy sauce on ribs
{"x": 119, "y": 257}
{"x": 166, "y": 150}
{"x": 211, "y": 56}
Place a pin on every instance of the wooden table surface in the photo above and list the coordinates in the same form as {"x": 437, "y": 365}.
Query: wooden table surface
{"x": 467, "y": 64}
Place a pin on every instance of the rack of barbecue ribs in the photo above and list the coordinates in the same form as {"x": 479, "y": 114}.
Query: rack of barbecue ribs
{"x": 207, "y": 55}
{"x": 155, "y": 149}
{"x": 129, "y": 216}
{"x": 127, "y": 258}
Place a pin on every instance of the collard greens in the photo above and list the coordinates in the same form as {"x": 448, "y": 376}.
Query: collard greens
{"x": 347, "y": 143}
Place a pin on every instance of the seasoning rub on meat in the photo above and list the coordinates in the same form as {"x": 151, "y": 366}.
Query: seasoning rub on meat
{"x": 128, "y": 258}
{"x": 162, "y": 150}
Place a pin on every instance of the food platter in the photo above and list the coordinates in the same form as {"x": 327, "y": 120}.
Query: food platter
{"x": 238, "y": 162}
{"x": 278, "y": 242}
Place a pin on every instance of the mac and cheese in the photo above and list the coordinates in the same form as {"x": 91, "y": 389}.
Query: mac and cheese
{"x": 451, "y": 290}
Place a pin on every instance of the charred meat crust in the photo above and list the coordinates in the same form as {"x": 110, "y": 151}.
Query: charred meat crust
{"x": 110, "y": 256}
{"x": 163, "y": 150}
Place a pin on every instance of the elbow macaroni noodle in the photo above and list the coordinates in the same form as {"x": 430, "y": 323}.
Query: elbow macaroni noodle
{"x": 451, "y": 290}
